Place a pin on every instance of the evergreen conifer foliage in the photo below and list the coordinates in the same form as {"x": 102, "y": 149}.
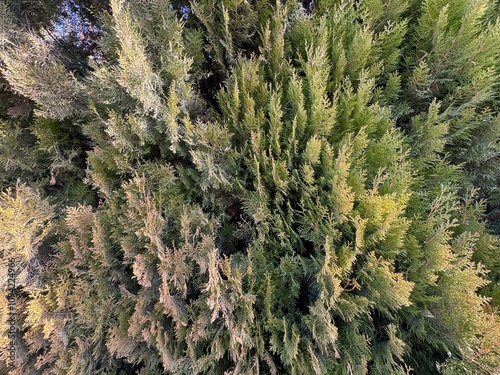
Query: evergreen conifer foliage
{"x": 453, "y": 58}
{"x": 286, "y": 225}
{"x": 26, "y": 222}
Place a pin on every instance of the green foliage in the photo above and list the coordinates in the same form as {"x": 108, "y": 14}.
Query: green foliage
{"x": 25, "y": 221}
{"x": 455, "y": 62}
{"x": 283, "y": 188}
{"x": 26, "y": 229}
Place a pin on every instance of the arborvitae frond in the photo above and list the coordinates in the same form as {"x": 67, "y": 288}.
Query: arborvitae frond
{"x": 32, "y": 69}
{"x": 25, "y": 220}
{"x": 25, "y": 223}
{"x": 135, "y": 72}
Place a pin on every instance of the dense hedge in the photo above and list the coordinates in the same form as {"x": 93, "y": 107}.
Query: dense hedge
{"x": 245, "y": 187}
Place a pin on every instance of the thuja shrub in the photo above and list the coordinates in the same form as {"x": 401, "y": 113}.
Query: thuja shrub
{"x": 283, "y": 188}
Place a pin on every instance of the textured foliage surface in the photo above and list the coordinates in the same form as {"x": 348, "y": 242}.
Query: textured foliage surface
{"x": 247, "y": 187}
